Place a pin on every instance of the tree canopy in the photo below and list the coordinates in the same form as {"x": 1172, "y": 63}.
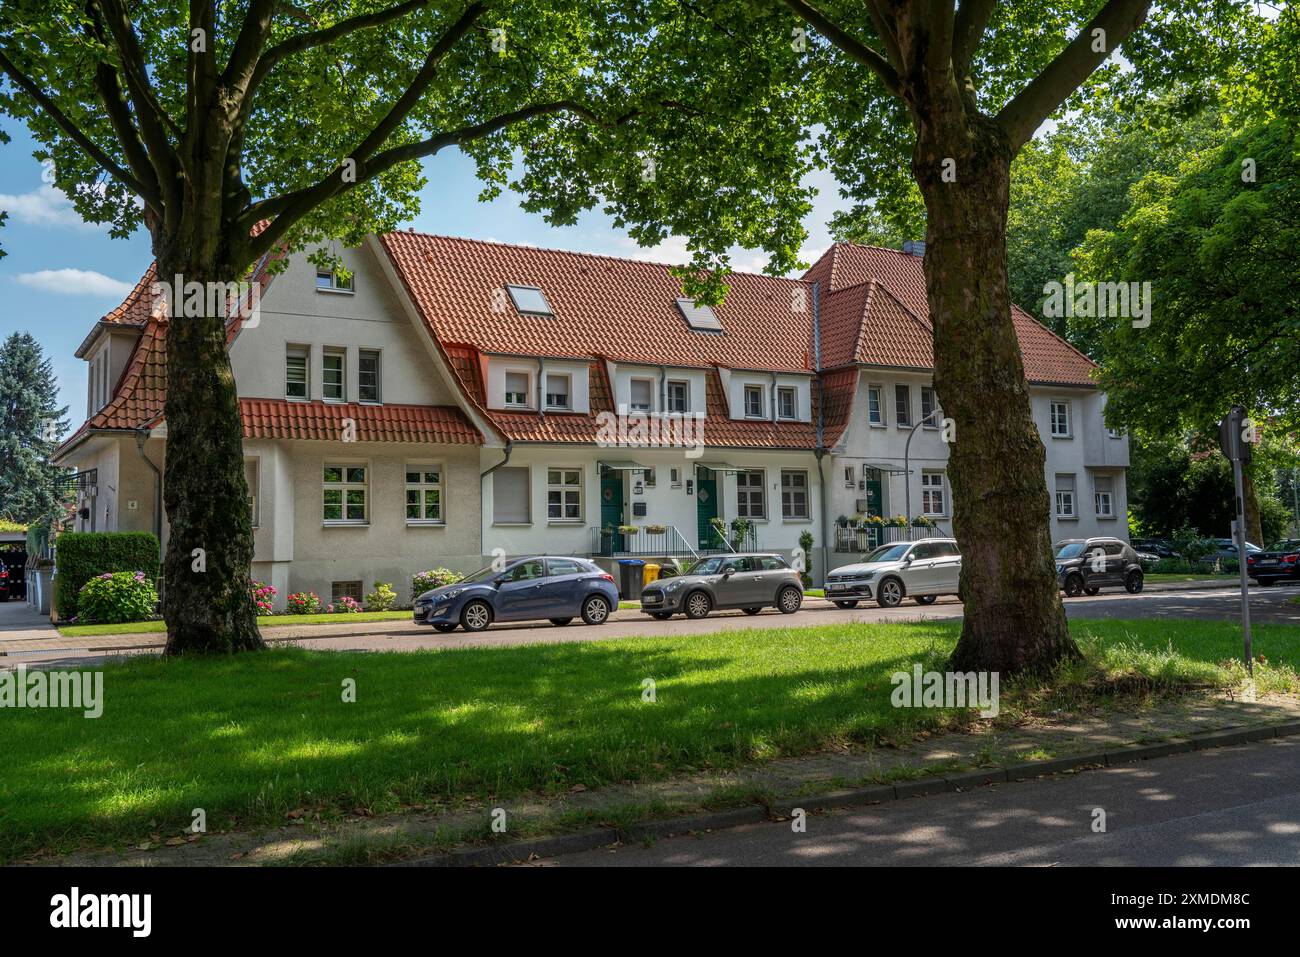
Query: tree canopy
{"x": 31, "y": 425}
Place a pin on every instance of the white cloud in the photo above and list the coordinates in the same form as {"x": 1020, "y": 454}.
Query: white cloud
{"x": 75, "y": 282}
{"x": 43, "y": 206}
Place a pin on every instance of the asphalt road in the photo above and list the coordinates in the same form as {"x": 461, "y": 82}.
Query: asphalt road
{"x": 1268, "y": 605}
{"x": 1228, "y": 806}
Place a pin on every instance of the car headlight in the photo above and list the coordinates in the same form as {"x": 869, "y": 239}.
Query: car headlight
{"x": 673, "y": 585}
{"x": 448, "y": 595}
{"x": 868, "y": 576}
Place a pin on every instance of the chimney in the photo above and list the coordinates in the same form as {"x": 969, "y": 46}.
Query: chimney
{"x": 914, "y": 247}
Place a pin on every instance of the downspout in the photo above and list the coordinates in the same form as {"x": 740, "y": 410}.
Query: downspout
{"x": 773, "y": 397}
{"x": 141, "y": 437}
{"x": 821, "y": 426}
{"x": 541, "y": 389}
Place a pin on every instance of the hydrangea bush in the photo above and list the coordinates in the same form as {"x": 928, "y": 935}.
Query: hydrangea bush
{"x": 116, "y": 597}
{"x": 382, "y": 598}
{"x": 263, "y": 596}
{"x": 304, "y": 603}
{"x": 434, "y": 578}
{"x": 347, "y": 605}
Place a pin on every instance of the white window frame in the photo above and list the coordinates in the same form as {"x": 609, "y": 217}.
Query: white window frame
{"x": 850, "y": 477}
{"x": 1066, "y": 499}
{"x": 379, "y": 376}
{"x": 788, "y": 489}
{"x": 745, "y": 392}
{"x": 1108, "y": 495}
{"x": 746, "y": 492}
{"x": 253, "y": 478}
{"x": 298, "y": 352}
{"x": 876, "y": 417}
{"x": 527, "y": 402}
{"x": 1068, "y": 416}
{"x": 346, "y": 485}
{"x": 569, "y": 488}
{"x": 675, "y": 477}
{"x": 423, "y": 469}
{"x": 335, "y": 597}
{"x": 930, "y": 423}
{"x": 567, "y": 380}
{"x": 787, "y": 392}
{"x": 685, "y": 394}
{"x": 632, "y": 404}
{"x": 932, "y": 491}
{"x": 334, "y": 285}
{"x": 342, "y": 356}
{"x": 901, "y": 422}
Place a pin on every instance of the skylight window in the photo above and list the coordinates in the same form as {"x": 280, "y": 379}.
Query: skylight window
{"x": 529, "y": 299}
{"x": 698, "y": 317}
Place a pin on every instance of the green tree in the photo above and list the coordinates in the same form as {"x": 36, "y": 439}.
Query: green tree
{"x": 234, "y": 130}
{"x": 31, "y": 425}
{"x": 953, "y": 93}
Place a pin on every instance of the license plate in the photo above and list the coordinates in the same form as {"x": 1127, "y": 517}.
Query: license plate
{"x": 650, "y": 599}
{"x": 836, "y": 587}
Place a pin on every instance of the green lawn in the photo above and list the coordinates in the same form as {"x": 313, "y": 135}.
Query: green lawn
{"x": 263, "y": 621}
{"x": 254, "y": 737}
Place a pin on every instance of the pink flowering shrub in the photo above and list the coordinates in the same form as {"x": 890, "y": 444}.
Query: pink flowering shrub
{"x": 263, "y": 596}
{"x": 347, "y": 605}
{"x": 304, "y": 603}
{"x": 116, "y": 597}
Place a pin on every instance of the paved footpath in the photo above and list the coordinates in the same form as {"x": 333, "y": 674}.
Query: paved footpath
{"x": 1229, "y": 806}
{"x": 1172, "y": 602}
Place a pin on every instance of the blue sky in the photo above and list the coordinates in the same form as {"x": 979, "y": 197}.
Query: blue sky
{"x": 60, "y": 274}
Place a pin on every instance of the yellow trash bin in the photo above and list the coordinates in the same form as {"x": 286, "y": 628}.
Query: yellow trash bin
{"x": 650, "y": 574}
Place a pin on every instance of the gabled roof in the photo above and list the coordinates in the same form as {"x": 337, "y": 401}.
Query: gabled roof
{"x": 622, "y": 309}
{"x": 898, "y": 333}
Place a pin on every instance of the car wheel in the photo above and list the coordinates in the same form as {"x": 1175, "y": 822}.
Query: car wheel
{"x": 698, "y": 604}
{"x": 595, "y": 610}
{"x": 560, "y": 622}
{"x": 445, "y": 626}
{"x": 1092, "y": 591}
{"x": 661, "y": 615}
{"x": 890, "y": 593}
{"x": 847, "y": 604}
{"x": 751, "y": 611}
{"x": 476, "y": 616}
{"x": 789, "y": 599}
{"x": 926, "y": 599}
{"x": 1133, "y": 582}
{"x": 1073, "y": 586}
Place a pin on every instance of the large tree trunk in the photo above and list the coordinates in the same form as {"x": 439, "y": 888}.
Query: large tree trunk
{"x": 1014, "y": 619}
{"x": 207, "y": 604}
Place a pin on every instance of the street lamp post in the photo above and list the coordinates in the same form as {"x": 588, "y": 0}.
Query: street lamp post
{"x": 907, "y": 470}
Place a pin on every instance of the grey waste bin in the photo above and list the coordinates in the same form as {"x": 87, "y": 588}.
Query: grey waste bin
{"x": 630, "y": 571}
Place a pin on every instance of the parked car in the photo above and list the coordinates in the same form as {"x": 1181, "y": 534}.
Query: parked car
{"x": 1279, "y": 562}
{"x": 1160, "y": 547}
{"x": 923, "y": 570}
{"x": 750, "y": 581}
{"x": 1084, "y": 566}
{"x": 526, "y": 589}
{"x": 1228, "y": 550}
{"x": 4, "y": 581}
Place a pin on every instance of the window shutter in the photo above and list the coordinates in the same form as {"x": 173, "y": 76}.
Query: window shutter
{"x": 510, "y": 496}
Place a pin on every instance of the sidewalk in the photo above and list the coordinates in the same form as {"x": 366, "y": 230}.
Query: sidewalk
{"x": 724, "y": 798}
{"x": 20, "y": 622}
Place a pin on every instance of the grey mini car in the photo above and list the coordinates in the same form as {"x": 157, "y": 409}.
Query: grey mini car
{"x": 750, "y": 581}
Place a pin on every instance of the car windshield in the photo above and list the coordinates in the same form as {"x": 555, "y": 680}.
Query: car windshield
{"x": 887, "y": 553}
{"x": 1290, "y": 545}
{"x": 1071, "y": 550}
{"x": 483, "y": 574}
{"x": 706, "y": 566}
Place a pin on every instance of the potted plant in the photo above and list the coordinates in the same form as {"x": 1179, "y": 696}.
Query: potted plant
{"x": 740, "y": 531}
{"x": 719, "y": 529}
{"x": 656, "y": 529}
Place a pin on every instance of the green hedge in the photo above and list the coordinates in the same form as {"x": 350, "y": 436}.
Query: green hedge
{"x": 80, "y": 556}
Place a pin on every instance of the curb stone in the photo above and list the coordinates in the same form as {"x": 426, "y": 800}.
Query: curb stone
{"x": 930, "y": 785}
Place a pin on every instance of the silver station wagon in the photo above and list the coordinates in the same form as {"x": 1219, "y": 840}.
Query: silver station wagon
{"x": 921, "y": 570}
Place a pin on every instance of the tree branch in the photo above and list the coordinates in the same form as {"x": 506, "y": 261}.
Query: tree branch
{"x": 74, "y": 133}
{"x": 849, "y": 44}
{"x": 1047, "y": 91}
{"x": 972, "y": 20}
{"x": 939, "y": 49}
{"x": 289, "y": 208}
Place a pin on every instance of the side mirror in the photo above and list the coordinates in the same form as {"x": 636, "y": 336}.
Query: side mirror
{"x": 498, "y": 582}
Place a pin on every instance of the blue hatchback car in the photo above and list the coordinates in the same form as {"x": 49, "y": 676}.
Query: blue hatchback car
{"x": 526, "y": 589}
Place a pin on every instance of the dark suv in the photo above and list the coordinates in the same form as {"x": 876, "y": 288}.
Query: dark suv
{"x": 1084, "y": 566}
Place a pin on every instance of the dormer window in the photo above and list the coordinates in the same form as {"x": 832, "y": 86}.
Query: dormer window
{"x": 530, "y": 300}
{"x": 699, "y": 317}
{"x": 329, "y": 281}
{"x": 640, "y": 391}
{"x": 557, "y": 392}
{"x": 787, "y": 403}
{"x": 754, "y": 401}
{"x": 517, "y": 389}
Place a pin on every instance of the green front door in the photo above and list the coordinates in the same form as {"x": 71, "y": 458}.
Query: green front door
{"x": 611, "y": 512}
{"x": 874, "y": 498}
{"x": 706, "y": 508}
